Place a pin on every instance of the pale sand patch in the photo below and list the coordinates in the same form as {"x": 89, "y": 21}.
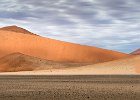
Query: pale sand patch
{"x": 123, "y": 67}
{"x": 78, "y": 71}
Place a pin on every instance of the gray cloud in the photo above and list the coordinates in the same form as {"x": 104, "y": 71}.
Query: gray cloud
{"x": 111, "y": 24}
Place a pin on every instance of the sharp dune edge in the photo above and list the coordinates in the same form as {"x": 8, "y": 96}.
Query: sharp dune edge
{"x": 40, "y": 55}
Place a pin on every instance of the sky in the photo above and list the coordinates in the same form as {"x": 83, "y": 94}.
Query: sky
{"x": 109, "y": 24}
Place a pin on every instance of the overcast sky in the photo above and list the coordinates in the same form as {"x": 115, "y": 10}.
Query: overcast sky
{"x": 110, "y": 24}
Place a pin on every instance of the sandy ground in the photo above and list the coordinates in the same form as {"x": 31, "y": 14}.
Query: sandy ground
{"x": 69, "y": 88}
{"x": 90, "y": 71}
{"x": 123, "y": 67}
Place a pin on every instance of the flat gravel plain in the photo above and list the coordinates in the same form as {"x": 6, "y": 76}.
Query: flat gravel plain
{"x": 94, "y": 87}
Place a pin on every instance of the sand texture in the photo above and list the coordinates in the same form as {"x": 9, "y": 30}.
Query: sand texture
{"x": 69, "y": 88}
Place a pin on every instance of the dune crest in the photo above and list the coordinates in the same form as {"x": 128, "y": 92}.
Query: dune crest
{"x": 17, "y": 29}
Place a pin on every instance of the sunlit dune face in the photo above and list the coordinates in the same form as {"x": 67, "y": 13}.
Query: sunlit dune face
{"x": 53, "y": 49}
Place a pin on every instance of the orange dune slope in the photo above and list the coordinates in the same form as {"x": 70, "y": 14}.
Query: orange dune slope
{"x": 20, "y": 62}
{"x": 137, "y": 52}
{"x": 55, "y": 50}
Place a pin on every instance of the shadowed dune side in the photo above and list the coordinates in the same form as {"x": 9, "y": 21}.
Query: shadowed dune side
{"x": 17, "y": 29}
{"x": 20, "y": 62}
{"x": 137, "y": 52}
{"x": 55, "y": 50}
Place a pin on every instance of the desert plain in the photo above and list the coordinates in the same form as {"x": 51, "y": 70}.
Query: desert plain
{"x": 70, "y": 87}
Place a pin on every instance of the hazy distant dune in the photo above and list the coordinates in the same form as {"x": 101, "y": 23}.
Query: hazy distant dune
{"x": 136, "y": 52}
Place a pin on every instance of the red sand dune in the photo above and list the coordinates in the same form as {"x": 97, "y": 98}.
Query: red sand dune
{"x": 15, "y": 28}
{"x": 55, "y": 50}
{"x": 137, "y": 52}
{"x": 20, "y": 62}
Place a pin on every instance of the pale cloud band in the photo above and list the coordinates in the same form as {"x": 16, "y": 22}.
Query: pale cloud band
{"x": 110, "y": 24}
